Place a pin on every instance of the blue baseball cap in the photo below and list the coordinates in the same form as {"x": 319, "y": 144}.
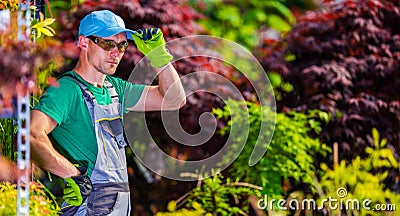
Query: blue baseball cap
{"x": 103, "y": 23}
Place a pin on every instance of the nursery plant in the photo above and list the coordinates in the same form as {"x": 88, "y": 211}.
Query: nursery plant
{"x": 291, "y": 153}
{"x": 215, "y": 195}
{"x": 195, "y": 210}
{"x": 353, "y": 182}
{"x": 288, "y": 166}
{"x": 39, "y": 203}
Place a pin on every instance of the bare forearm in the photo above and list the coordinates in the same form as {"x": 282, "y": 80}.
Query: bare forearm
{"x": 46, "y": 157}
{"x": 171, "y": 87}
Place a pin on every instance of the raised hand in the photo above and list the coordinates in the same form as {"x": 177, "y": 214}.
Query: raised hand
{"x": 152, "y": 44}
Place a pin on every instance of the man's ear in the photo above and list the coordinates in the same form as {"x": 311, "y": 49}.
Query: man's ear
{"x": 83, "y": 42}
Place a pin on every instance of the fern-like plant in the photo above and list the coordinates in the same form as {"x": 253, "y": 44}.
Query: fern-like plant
{"x": 217, "y": 195}
{"x": 361, "y": 181}
{"x": 291, "y": 152}
{"x": 39, "y": 204}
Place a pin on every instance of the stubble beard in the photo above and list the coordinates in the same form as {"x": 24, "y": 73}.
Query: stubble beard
{"x": 104, "y": 70}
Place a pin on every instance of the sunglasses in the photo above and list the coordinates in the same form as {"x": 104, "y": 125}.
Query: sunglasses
{"x": 108, "y": 45}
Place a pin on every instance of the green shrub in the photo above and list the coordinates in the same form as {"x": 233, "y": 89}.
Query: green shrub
{"x": 215, "y": 196}
{"x": 39, "y": 203}
{"x": 7, "y": 132}
{"x": 241, "y": 21}
{"x": 291, "y": 152}
{"x": 362, "y": 179}
{"x": 196, "y": 211}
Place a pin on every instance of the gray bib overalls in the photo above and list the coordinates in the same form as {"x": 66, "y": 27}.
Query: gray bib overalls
{"x": 110, "y": 195}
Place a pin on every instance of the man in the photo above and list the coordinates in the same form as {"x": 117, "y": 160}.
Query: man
{"x": 76, "y": 128}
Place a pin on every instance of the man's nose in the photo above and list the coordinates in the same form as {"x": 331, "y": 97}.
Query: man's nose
{"x": 115, "y": 52}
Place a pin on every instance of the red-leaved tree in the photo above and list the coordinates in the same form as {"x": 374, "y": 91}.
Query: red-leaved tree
{"x": 348, "y": 64}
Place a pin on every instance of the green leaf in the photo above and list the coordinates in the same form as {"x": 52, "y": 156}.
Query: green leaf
{"x": 255, "y": 14}
{"x": 290, "y": 57}
{"x": 230, "y": 14}
{"x": 375, "y": 136}
{"x": 50, "y": 29}
{"x": 287, "y": 87}
{"x": 46, "y": 32}
{"x": 39, "y": 33}
{"x": 171, "y": 206}
{"x": 324, "y": 116}
{"x": 275, "y": 79}
{"x": 369, "y": 150}
{"x": 383, "y": 143}
{"x": 283, "y": 10}
{"x": 278, "y": 24}
{"x": 37, "y": 25}
{"x": 48, "y": 21}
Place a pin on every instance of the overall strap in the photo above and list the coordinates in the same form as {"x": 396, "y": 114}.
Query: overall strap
{"x": 90, "y": 100}
{"x": 111, "y": 90}
{"x": 88, "y": 96}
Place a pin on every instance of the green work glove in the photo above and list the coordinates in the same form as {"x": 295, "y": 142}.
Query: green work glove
{"x": 152, "y": 44}
{"x": 77, "y": 188}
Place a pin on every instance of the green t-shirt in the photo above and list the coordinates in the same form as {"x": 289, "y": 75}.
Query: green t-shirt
{"x": 74, "y": 136}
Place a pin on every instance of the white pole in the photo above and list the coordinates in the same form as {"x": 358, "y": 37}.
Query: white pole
{"x": 23, "y": 160}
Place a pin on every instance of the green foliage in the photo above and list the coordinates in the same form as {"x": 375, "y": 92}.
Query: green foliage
{"x": 278, "y": 83}
{"x": 196, "y": 211}
{"x": 39, "y": 26}
{"x": 45, "y": 78}
{"x": 240, "y": 20}
{"x": 7, "y": 130}
{"x": 39, "y": 204}
{"x": 37, "y": 61}
{"x": 291, "y": 152}
{"x": 361, "y": 178}
{"x": 59, "y": 6}
{"x": 42, "y": 26}
{"x": 221, "y": 198}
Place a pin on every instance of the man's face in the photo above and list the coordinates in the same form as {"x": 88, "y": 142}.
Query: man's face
{"x": 104, "y": 54}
